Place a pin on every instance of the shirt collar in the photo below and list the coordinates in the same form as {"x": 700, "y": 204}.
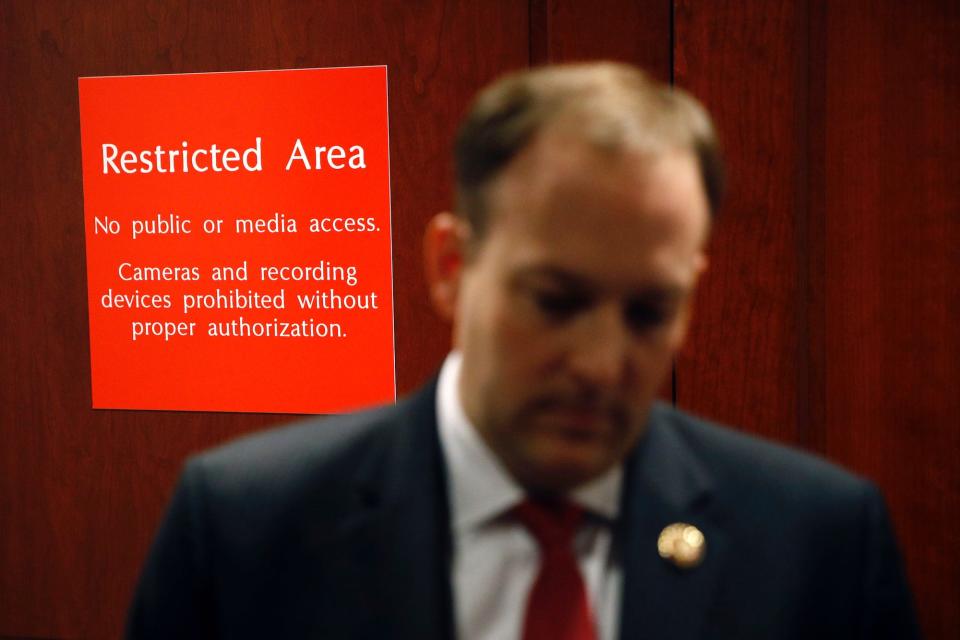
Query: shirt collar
{"x": 480, "y": 486}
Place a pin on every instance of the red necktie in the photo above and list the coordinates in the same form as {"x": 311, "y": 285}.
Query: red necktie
{"x": 558, "y": 608}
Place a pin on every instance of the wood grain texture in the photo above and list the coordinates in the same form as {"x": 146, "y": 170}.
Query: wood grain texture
{"x": 441, "y": 54}
{"x": 745, "y": 362}
{"x": 637, "y": 32}
{"x": 891, "y": 213}
{"x": 81, "y": 491}
{"x": 828, "y": 319}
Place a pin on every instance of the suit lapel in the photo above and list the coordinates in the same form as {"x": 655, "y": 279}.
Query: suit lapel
{"x": 397, "y": 550}
{"x": 666, "y": 483}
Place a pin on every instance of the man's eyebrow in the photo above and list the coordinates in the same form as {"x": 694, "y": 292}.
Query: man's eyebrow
{"x": 658, "y": 293}
{"x": 661, "y": 294}
{"x": 555, "y": 275}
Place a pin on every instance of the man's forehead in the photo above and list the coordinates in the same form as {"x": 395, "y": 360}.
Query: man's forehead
{"x": 555, "y": 164}
{"x": 562, "y": 178}
{"x": 586, "y": 218}
{"x": 552, "y": 158}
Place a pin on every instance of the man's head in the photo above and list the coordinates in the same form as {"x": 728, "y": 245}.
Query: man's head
{"x": 584, "y": 196}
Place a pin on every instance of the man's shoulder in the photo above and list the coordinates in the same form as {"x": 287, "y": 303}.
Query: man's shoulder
{"x": 806, "y": 546}
{"x": 752, "y": 467}
{"x": 303, "y": 443}
{"x": 322, "y": 460}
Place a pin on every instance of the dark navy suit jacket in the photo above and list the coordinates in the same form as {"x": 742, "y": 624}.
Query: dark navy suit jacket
{"x": 339, "y": 528}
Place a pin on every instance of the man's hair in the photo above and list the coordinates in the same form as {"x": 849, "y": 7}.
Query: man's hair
{"x": 610, "y": 106}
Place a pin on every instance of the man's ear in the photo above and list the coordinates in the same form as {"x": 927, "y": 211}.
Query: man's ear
{"x": 445, "y": 253}
{"x": 702, "y": 262}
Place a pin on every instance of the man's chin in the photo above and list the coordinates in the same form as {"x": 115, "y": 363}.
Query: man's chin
{"x": 560, "y": 471}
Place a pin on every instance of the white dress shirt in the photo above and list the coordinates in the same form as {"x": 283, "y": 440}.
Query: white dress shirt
{"x": 495, "y": 559}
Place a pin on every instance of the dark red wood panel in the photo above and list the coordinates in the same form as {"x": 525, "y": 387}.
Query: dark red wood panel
{"x": 745, "y": 362}
{"x": 81, "y": 491}
{"x": 828, "y": 319}
{"x": 440, "y": 54}
{"x": 891, "y": 161}
{"x": 637, "y": 32}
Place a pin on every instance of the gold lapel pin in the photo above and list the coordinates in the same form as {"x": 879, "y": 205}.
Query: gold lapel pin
{"x": 682, "y": 544}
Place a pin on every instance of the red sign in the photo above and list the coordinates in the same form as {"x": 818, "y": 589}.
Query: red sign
{"x": 238, "y": 240}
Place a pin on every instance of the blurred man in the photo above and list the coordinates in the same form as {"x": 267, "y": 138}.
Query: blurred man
{"x": 537, "y": 490}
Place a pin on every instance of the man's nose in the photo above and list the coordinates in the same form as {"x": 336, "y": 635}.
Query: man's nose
{"x": 599, "y": 356}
